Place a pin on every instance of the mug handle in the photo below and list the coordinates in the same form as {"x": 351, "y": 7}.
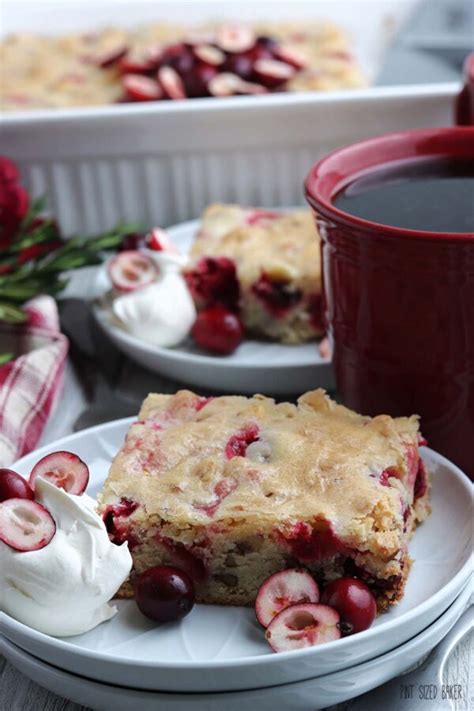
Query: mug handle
{"x": 464, "y": 106}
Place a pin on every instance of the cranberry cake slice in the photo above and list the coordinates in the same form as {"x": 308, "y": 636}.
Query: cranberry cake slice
{"x": 234, "y": 489}
{"x": 263, "y": 265}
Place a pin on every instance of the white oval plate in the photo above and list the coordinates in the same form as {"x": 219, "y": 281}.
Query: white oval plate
{"x": 218, "y": 648}
{"x": 256, "y": 366}
{"x": 316, "y": 693}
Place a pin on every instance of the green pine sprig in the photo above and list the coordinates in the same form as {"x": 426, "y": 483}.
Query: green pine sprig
{"x": 35, "y": 262}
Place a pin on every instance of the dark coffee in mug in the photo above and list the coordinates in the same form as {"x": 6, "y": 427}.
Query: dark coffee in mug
{"x": 432, "y": 194}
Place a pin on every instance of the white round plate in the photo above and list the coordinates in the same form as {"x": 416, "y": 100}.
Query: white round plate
{"x": 256, "y": 366}
{"x": 219, "y": 648}
{"x": 315, "y": 693}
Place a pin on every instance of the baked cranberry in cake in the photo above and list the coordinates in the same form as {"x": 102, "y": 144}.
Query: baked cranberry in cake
{"x": 115, "y": 519}
{"x": 276, "y": 295}
{"x": 213, "y": 282}
{"x": 243, "y": 488}
{"x": 238, "y": 443}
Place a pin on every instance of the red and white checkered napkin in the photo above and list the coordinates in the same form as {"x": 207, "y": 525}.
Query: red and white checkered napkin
{"x": 30, "y": 384}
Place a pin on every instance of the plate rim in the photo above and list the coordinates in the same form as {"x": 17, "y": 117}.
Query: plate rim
{"x": 463, "y": 596}
{"x": 61, "y": 643}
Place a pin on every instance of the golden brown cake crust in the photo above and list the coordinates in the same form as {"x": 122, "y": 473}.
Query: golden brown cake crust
{"x": 229, "y": 478}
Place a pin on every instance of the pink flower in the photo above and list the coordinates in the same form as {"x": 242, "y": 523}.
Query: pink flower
{"x": 14, "y": 201}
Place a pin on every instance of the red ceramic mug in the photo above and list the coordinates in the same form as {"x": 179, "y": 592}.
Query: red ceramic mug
{"x": 399, "y": 303}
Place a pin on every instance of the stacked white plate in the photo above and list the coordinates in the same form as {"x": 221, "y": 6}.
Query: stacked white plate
{"x": 217, "y": 657}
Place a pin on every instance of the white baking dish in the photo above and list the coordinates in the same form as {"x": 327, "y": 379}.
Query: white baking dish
{"x": 162, "y": 163}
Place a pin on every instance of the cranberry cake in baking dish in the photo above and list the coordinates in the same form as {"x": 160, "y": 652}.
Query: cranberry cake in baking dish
{"x": 263, "y": 265}
{"x": 232, "y": 489}
{"x": 159, "y": 61}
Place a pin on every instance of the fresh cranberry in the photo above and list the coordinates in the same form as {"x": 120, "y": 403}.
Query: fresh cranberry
{"x": 13, "y": 486}
{"x": 218, "y": 330}
{"x": 164, "y": 593}
{"x": 307, "y": 544}
{"x": 213, "y": 281}
{"x": 353, "y": 601}
{"x": 237, "y": 444}
{"x": 132, "y": 241}
{"x": 276, "y": 296}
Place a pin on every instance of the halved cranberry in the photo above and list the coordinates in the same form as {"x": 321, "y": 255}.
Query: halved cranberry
{"x": 25, "y": 525}
{"x": 277, "y": 296}
{"x": 238, "y": 443}
{"x": 213, "y": 281}
{"x": 303, "y": 625}
{"x": 131, "y": 270}
{"x": 171, "y": 83}
{"x": 290, "y": 56}
{"x": 138, "y": 62}
{"x": 141, "y": 88}
{"x": 224, "y": 84}
{"x": 282, "y": 589}
{"x": 209, "y": 55}
{"x": 273, "y": 73}
{"x": 62, "y": 469}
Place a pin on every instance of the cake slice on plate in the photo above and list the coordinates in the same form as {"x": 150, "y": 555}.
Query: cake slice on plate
{"x": 263, "y": 265}
{"x": 233, "y": 489}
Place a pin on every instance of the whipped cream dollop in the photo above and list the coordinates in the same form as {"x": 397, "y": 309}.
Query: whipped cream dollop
{"x": 163, "y": 312}
{"x": 63, "y": 589}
